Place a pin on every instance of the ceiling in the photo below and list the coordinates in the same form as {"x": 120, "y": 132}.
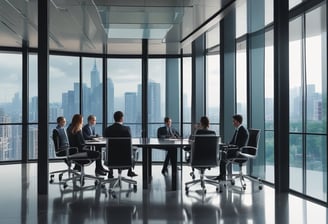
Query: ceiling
{"x": 112, "y": 26}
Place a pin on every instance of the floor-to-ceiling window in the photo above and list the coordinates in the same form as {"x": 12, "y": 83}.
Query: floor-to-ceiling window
{"x": 33, "y": 108}
{"x": 241, "y": 80}
{"x": 64, "y": 90}
{"x": 212, "y": 94}
{"x": 308, "y": 94}
{"x": 269, "y": 108}
{"x": 124, "y": 91}
{"x": 92, "y": 91}
{"x": 11, "y": 106}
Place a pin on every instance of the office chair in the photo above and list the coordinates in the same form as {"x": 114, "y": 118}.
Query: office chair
{"x": 63, "y": 153}
{"x": 119, "y": 156}
{"x": 203, "y": 156}
{"x": 242, "y": 156}
{"x": 71, "y": 155}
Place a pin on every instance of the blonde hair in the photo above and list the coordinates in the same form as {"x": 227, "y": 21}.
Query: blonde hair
{"x": 77, "y": 122}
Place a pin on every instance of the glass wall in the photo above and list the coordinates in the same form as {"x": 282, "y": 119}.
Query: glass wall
{"x": 10, "y": 106}
{"x": 213, "y": 91}
{"x": 308, "y": 93}
{"x": 269, "y": 112}
{"x": 124, "y": 92}
{"x": 187, "y": 91}
{"x": 92, "y": 91}
{"x": 241, "y": 80}
{"x": 33, "y": 110}
{"x": 64, "y": 89}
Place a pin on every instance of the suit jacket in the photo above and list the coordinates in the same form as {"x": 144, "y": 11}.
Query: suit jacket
{"x": 117, "y": 130}
{"x": 62, "y": 136}
{"x": 76, "y": 140}
{"x": 89, "y": 132}
{"x": 240, "y": 137}
{"x": 162, "y": 132}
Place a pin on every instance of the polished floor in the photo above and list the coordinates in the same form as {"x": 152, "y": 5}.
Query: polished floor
{"x": 20, "y": 203}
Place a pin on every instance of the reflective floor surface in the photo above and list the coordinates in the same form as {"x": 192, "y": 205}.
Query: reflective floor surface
{"x": 20, "y": 202}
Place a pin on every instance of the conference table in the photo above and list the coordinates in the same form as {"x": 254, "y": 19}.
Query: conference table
{"x": 147, "y": 144}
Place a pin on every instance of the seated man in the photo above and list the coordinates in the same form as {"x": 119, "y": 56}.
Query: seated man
{"x": 118, "y": 130}
{"x": 62, "y": 137}
{"x": 238, "y": 140}
{"x": 167, "y": 131}
{"x": 89, "y": 132}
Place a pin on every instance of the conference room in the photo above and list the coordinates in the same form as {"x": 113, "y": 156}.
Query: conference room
{"x": 184, "y": 59}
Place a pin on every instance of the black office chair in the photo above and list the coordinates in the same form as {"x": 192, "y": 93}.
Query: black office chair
{"x": 63, "y": 153}
{"x": 203, "y": 156}
{"x": 242, "y": 156}
{"x": 119, "y": 156}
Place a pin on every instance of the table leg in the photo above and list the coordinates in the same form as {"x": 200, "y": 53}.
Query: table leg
{"x": 145, "y": 174}
{"x": 174, "y": 154}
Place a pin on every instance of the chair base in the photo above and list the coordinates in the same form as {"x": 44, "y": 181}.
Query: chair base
{"x": 242, "y": 178}
{"x": 117, "y": 183}
{"x": 202, "y": 182}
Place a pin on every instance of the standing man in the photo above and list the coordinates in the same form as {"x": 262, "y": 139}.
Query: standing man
{"x": 167, "y": 131}
{"x": 89, "y": 132}
{"x": 238, "y": 140}
{"x": 118, "y": 130}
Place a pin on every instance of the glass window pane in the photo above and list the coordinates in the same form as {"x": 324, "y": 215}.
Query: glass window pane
{"x": 11, "y": 88}
{"x": 241, "y": 18}
{"x": 269, "y": 112}
{"x": 92, "y": 90}
{"x": 33, "y": 88}
{"x": 295, "y": 162}
{"x": 295, "y": 75}
{"x": 64, "y": 87}
{"x": 186, "y": 96}
{"x": 241, "y": 80}
{"x": 316, "y": 58}
{"x": 156, "y": 95}
{"x": 124, "y": 92}
{"x": 10, "y": 141}
{"x": 268, "y": 14}
{"x": 213, "y": 91}
{"x": 316, "y": 166}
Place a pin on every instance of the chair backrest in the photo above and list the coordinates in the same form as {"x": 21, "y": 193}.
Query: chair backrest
{"x": 204, "y": 151}
{"x": 253, "y": 143}
{"x": 119, "y": 152}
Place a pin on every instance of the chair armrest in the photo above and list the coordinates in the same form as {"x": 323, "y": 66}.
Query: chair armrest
{"x": 248, "y": 151}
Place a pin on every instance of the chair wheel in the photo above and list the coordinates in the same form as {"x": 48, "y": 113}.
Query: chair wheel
{"x": 60, "y": 177}
{"x": 260, "y": 187}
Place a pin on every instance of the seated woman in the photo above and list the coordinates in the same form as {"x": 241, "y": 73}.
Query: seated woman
{"x": 76, "y": 139}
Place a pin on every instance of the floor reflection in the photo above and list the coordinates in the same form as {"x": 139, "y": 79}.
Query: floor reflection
{"x": 21, "y": 204}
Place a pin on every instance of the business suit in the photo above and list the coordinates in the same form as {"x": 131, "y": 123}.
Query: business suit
{"x": 89, "y": 132}
{"x": 238, "y": 140}
{"x": 168, "y": 132}
{"x": 118, "y": 130}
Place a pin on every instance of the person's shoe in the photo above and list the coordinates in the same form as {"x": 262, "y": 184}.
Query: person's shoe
{"x": 132, "y": 174}
{"x": 220, "y": 178}
{"x": 77, "y": 168}
{"x": 165, "y": 171}
{"x": 100, "y": 172}
{"x": 110, "y": 175}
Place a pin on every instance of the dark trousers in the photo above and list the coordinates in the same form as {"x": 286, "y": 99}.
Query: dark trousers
{"x": 170, "y": 157}
{"x": 98, "y": 161}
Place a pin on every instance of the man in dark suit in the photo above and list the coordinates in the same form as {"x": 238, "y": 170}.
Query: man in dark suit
{"x": 168, "y": 131}
{"x": 89, "y": 132}
{"x": 118, "y": 130}
{"x": 238, "y": 140}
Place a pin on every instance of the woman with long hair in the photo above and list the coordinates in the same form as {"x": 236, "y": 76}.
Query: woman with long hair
{"x": 76, "y": 139}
